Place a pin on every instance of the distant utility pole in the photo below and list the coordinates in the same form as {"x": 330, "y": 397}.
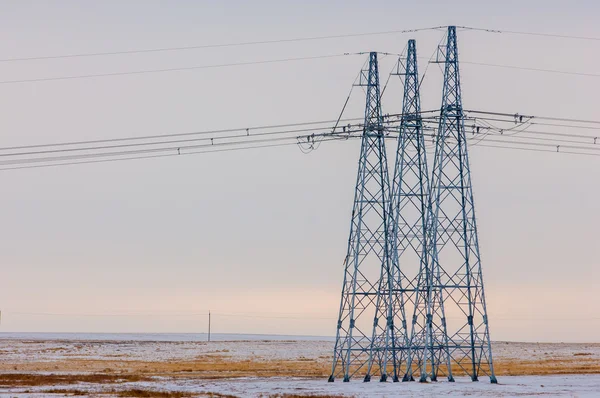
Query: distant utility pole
{"x": 209, "y": 325}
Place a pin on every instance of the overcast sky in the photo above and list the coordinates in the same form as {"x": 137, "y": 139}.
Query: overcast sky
{"x": 263, "y": 233}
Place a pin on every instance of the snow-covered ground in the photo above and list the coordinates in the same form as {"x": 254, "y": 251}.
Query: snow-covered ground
{"x": 512, "y": 386}
{"x": 42, "y": 347}
{"x": 509, "y": 386}
{"x": 59, "y": 354}
{"x": 53, "y": 350}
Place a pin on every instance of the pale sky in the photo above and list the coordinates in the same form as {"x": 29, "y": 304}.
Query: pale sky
{"x": 263, "y": 233}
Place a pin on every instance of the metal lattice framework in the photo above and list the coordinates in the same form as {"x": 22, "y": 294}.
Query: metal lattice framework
{"x": 367, "y": 263}
{"x": 456, "y": 308}
{"x": 409, "y": 204}
{"x": 413, "y": 248}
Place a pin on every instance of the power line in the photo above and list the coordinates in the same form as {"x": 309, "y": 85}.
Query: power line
{"x": 503, "y": 141}
{"x": 159, "y": 155}
{"x": 516, "y": 145}
{"x": 143, "y": 151}
{"x": 127, "y": 73}
{"x": 528, "y": 122}
{"x": 247, "y": 132}
{"x": 562, "y": 72}
{"x": 271, "y": 61}
{"x": 538, "y": 150}
{"x": 514, "y": 32}
{"x": 508, "y": 132}
{"x": 221, "y": 45}
{"x": 291, "y": 40}
{"x": 178, "y": 148}
{"x": 273, "y": 138}
{"x": 140, "y": 144}
{"x": 561, "y": 119}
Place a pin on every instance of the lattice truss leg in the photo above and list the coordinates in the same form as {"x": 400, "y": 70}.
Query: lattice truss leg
{"x": 367, "y": 267}
{"x": 457, "y": 281}
{"x": 409, "y": 206}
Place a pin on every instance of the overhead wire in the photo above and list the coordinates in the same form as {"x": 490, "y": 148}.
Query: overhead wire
{"x": 162, "y": 143}
{"x": 170, "y": 135}
{"x": 273, "y": 136}
{"x": 126, "y": 73}
{"x": 290, "y": 40}
{"x": 207, "y": 149}
{"x": 218, "y": 45}
{"x": 178, "y": 148}
{"x": 562, "y": 119}
{"x": 245, "y": 135}
{"x": 397, "y": 67}
{"x": 489, "y": 127}
{"x": 273, "y": 61}
{"x": 531, "y": 69}
{"x": 138, "y": 72}
{"x": 524, "y": 33}
{"x": 26, "y": 166}
{"x": 538, "y": 150}
{"x": 569, "y": 126}
{"x": 140, "y": 144}
{"x": 339, "y": 118}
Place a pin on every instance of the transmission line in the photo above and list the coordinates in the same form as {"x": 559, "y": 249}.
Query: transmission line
{"x": 152, "y": 150}
{"x": 538, "y": 150}
{"x": 61, "y": 155}
{"x": 218, "y": 45}
{"x": 27, "y": 166}
{"x": 514, "y": 32}
{"x": 562, "y": 72}
{"x": 272, "y": 61}
{"x": 138, "y": 144}
{"x": 138, "y": 72}
{"x": 290, "y": 40}
{"x": 248, "y": 130}
{"x": 529, "y": 122}
{"x": 562, "y": 119}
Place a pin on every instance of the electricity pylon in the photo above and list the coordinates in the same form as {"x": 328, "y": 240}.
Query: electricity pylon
{"x": 366, "y": 288}
{"x": 409, "y": 205}
{"x": 456, "y": 279}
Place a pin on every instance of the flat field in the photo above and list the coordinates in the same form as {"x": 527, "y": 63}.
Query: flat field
{"x": 264, "y": 368}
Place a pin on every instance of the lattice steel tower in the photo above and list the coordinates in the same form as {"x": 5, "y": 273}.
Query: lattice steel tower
{"x": 409, "y": 205}
{"x": 366, "y": 283}
{"x": 456, "y": 277}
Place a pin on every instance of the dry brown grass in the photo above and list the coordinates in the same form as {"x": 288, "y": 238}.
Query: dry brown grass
{"x": 109, "y": 371}
{"x": 216, "y": 367}
{"x": 529, "y": 367}
{"x": 205, "y": 367}
{"x": 66, "y": 392}
{"x": 136, "y": 392}
{"x": 547, "y": 367}
{"x": 228, "y": 368}
{"x": 308, "y": 396}
{"x": 29, "y": 379}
